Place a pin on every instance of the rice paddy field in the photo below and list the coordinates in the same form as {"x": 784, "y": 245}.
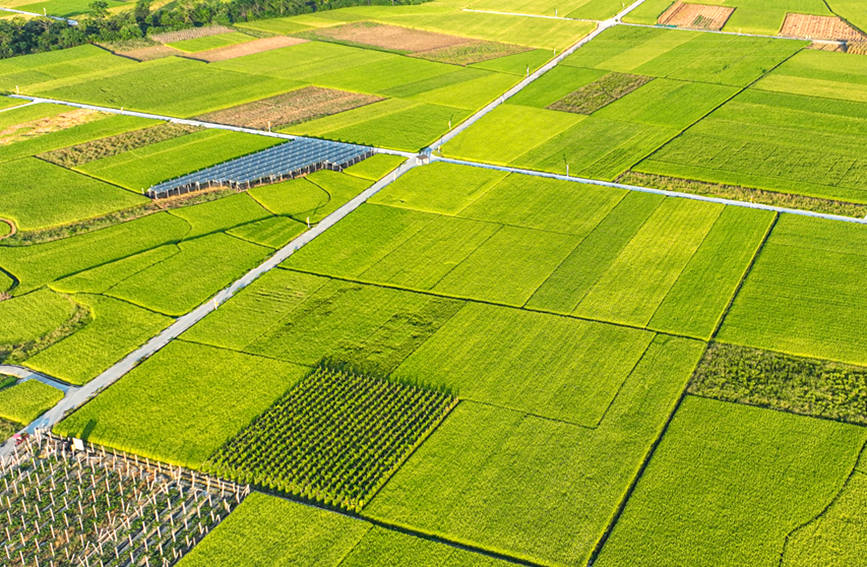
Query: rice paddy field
{"x": 613, "y": 319}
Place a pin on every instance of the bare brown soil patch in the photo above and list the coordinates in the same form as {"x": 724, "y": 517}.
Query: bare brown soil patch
{"x": 384, "y": 36}
{"x": 47, "y": 125}
{"x": 289, "y": 108}
{"x": 696, "y": 16}
{"x": 602, "y": 92}
{"x": 191, "y": 33}
{"x": 86, "y": 152}
{"x": 819, "y": 27}
{"x": 248, "y": 48}
{"x": 150, "y": 52}
{"x": 858, "y": 47}
{"x": 740, "y": 193}
{"x": 471, "y": 52}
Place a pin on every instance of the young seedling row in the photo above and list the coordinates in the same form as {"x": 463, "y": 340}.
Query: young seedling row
{"x": 335, "y": 437}
{"x": 92, "y": 507}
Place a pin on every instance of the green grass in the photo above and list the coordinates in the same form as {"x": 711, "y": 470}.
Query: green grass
{"x": 265, "y": 531}
{"x": 438, "y": 188}
{"x": 59, "y": 197}
{"x": 818, "y": 73}
{"x": 852, "y": 11}
{"x": 181, "y": 282}
{"x": 117, "y": 328}
{"x": 494, "y": 355}
{"x": 507, "y": 481}
{"x": 24, "y": 402}
{"x": 804, "y": 295}
{"x": 139, "y": 169}
{"x": 65, "y": 8}
{"x": 39, "y": 264}
{"x": 274, "y": 232}
{"x": 183, "y": 403}
{"x": 297, "y": 198}
{"x": 101, "y": 278}
{"x": 776, "y": 141}
{"x": 211, "y": 42}
{"x": 33, "y": 315}
{"x": 769, "y": 379}
{"x": 86, "y": 61}
{"x": 726, "y": 469}
{"x": 554, "y": 85}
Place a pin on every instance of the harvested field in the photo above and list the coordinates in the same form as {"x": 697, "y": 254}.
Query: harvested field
{"x": 47, "y": 125}
{"x": 192, "y": 33}
{"x": 471, "y": 52}
{"x": 290, "y": 108}
{"x": 80, "y": 154}
{"x": 590, "y": 98}
{"x": 696, "y": 16}
{"x": 858, "y": 47}
{"x": 819, "y": 27}
{"x": 149, "y": 53}
{"x": 395, "y": 38}
{"x": 247, "y": 48}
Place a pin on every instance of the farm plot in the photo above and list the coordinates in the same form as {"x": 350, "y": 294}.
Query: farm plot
{"x": 35, "y": 320}
{"x": 116, "y": 329}
{"x": 590, "y": 98}
{"x": 805, "y": 293}
{"x": 775, "y": 380}
{"x": 40, "y": 68}
{"x": 819, "y": 27}
{"x": 506, "y": 480}
{"x": 696, "y": 16}
{"x": 265, "y": 531}
{"x": 715, "y": 493}
{"x": 579, "y": 380}
{"x": 247, "y": 48}
{"x": 303, "y": 318}
{"x": 362, "y": 427}
{"x": 36, "y": 194}
{"x": 143, "y": 167}
{"x": 127, "y": 511}
{"x": 181, "y": 282}
{"x": 152, "y": 87}
{"x": 419, "y": 43}
{"x": 790, "y": 144}
{"x": 833, "y": 538}
{"x": 820, "y": 74}
{"x": 183, "y": 403}
{"x": 25, "y": 401}
{"x": 296, "y": 106}
{"x": 589, "y": 9}
{"x": 38, "y": 264}
{"x": 205, "y": 43}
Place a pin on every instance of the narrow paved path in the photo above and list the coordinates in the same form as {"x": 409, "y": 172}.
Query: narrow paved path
{"x": 185, "y": 121}
{"x": 667, "y": 193}
{"x": 25, "y": 374}
{"x": 38, "y": 15}
{"x": 79, "y": 396}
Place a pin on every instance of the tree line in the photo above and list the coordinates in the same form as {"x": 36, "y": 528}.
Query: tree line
{"x": 19, "y": 36}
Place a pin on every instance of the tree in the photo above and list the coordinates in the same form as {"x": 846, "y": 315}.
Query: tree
{"x": 99, "y": 9}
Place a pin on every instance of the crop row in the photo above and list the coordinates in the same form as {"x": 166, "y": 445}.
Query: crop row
{"x": 335, "y": 437}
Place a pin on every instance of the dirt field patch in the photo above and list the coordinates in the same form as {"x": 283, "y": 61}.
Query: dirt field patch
{"x": 192, "y": 33}
{"x": 293, "y": 107}
{"x": 602, "y": 92}
{"x": 150, "y": 52}
{"x": 696, "y": 16}
{"x": 819, "y": 27}
{"x": 858, "y": 47}
{"x": 394, "y": 38}
{"x": 471, "y": 52}
{"x": 47, "y": 125}
{"x": 248, "y": 48}
{"x": 80, "y": 154}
